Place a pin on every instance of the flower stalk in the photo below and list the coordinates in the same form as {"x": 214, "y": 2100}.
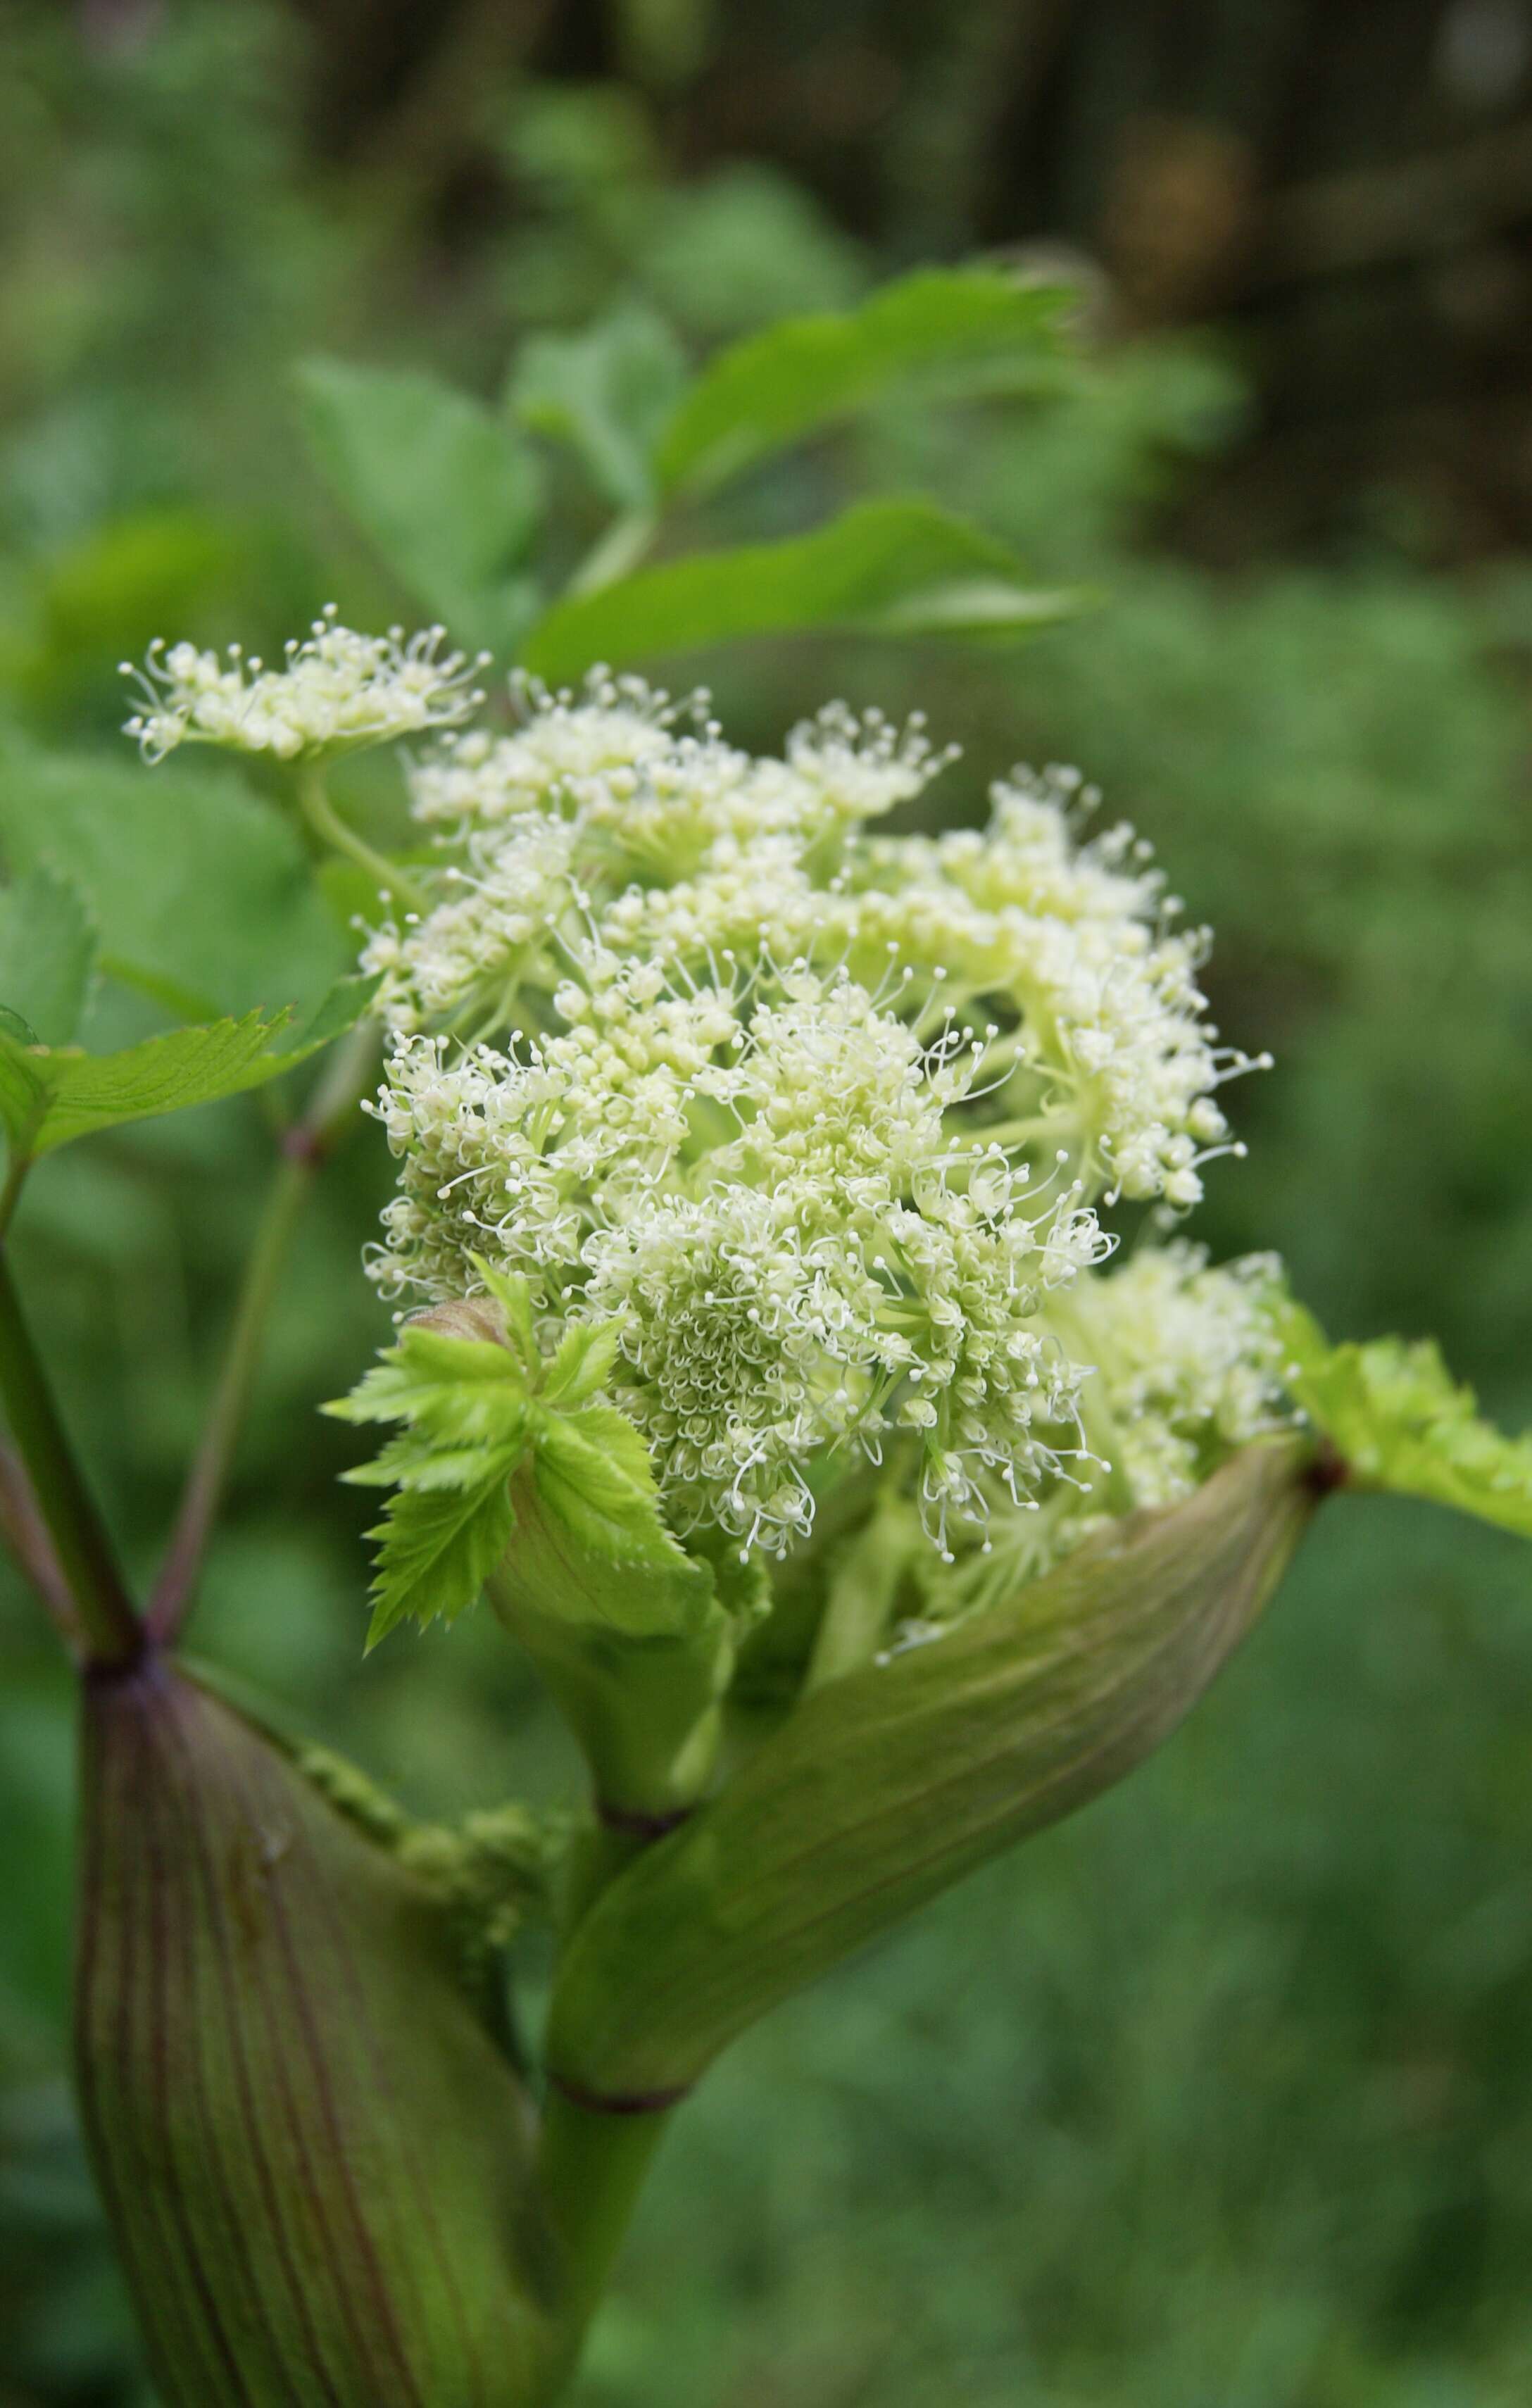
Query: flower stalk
{"x": 390, "y": 880}
{"x": 591, "y": 2166}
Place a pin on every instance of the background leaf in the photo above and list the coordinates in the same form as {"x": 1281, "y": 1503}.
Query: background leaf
{"x": 902, "y": 567}
{"x": 607, "y": 394}
{"x": 46, "y": 951}
{"x": 445, "y": 489}
{"x": 48, "y": 1099}
{"x": 201, "y": 893}
{"x": 806, "y": 373}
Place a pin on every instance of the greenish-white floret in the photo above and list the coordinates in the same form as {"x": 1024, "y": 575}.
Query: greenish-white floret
{"x": 334, "y": 691}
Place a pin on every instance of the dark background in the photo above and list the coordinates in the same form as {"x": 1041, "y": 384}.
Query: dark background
{"x": 1219, "y": 2097}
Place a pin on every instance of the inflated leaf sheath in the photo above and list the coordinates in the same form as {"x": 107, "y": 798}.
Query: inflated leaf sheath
{"x": 887, "y": 1784}
{"x": 312, "y": 2149}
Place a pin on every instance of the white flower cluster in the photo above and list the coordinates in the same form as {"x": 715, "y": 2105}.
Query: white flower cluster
{"x": 1186, "y": 1365}
{"x": 822, "y": 1116}
{"x": 335, "y": 691}
{"x": 766, "y": 1192}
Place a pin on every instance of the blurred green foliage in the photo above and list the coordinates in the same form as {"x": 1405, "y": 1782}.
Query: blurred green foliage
{"x": 1221, "y": 2095}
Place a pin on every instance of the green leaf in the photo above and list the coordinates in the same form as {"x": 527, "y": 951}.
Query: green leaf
{"x": 412, "y": 1461}
{"x": 1400, "y": 1422}
{"x": 510, "y": 1292}
{"x": 804, "y": 373}
{"x": 455, "y": 1391}
{"x": 590, "y": 1554}
{"x": 47, "y": 953}
{"x": 607, "y": 394}
{"x": 503, "y": 1479}
{"x": 889, "y": 568}
{"x": 591, "y": 1546}
{"x": 444, "y": 488}
{"x": 886, "y": 1785}
{"x": 49, "y": 1098}
{"x": 593, "y": 1473}
{"x": 346, "y": 1003}
{"x": 436, "y": 1548}
{"x": 585, "y": 1360}
{"x": 201, "y": 893}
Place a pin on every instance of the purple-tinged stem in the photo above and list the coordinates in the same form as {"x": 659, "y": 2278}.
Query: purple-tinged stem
{"x": 25, "y": 1533}
{"x": 304, "y": 1147}
{"x": 102, "y": 1608}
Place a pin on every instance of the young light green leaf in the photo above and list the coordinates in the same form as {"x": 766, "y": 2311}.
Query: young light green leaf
{"x": 47, "y": 953}
{"x": 1398, "y": 1421}
{"x": 552, "y": 1505}
{"x": 49, "y": 1098}
{"x": 444, "y": 488}
{"x": 201, "y": 893}
{"x": 455, "y": 1391}
{"x": 898, "y": 568}
{"x": 593, "y": 1474}
{"x": 436, "y": 1547}
{"x": 410, "y": 1460}
{"x": 586, "y": 1357}
{"x": 591, "y": 1550}
{"x": 510, "y": 1292}
{"x": 806, "y": 373}
{"x": 464, "y": 1402}
{"x": 592, "y": 1556}
{"x": 607, "y": 394}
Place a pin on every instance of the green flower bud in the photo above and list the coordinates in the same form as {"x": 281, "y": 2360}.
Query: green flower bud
{"x": 889, "y": 1783}
{"x": 312, "y": 2147}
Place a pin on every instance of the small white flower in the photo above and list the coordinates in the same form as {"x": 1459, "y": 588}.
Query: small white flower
{"x": 336, "y": 690}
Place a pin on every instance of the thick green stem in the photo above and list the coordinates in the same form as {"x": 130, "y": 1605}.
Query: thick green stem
{"x": 645, "y": 1712}
{"x": 328, "y": 826}
{"x": 597, "y": 1859}
{"x": 590, "y": 2170}
{"x": 305, "y": 1146}
{"x": 111, "y": 1629}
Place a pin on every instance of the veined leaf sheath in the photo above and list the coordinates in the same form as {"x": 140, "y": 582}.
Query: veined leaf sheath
{"x": 311, "y": 2147}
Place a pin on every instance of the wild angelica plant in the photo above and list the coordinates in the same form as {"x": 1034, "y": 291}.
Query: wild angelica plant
{"x": 796, "y": 1346}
